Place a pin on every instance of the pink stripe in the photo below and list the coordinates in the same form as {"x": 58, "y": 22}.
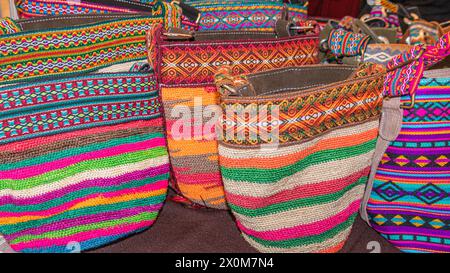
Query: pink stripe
{"x": 303, "y": 191}
{"x": 83, "y": 236}
{"x": 31, "y": 171}
{"x": 66, "y": 206}
{"x": 31, "y": 143}
{"x": 197, "y": 178}
{"x": 304, "y": 230}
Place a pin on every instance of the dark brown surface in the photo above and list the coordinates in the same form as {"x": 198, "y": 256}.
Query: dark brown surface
{"x": 182, "y": 230}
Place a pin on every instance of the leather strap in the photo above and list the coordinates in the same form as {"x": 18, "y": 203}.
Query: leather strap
{"x": 390, "y": 125}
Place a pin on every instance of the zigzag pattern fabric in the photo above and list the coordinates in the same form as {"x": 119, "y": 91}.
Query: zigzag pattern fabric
{"x": 187, "y": 76}
{"x": 159, "y": 9}
{"x": 84, "y": 161}
{"x": 244, "y": 15}
{"x": 302, "y": 195}
{"x": 80, "y": 49}
{"x": 410, "y": 201}
{"x": 37, "y": 8}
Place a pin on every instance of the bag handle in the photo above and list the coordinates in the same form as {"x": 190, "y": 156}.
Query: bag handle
{"x": 406, "y": 70}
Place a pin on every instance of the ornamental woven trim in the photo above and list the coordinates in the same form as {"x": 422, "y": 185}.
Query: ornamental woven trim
{"x": 347, "y": 44}
{"x": 73, "y": 180}
{"x": 37, "y": 8}
{"x": 53, "y": 107}
{"x": 410, "y": 201}
{"x": 407, "y": 69}
{"x": 197, "y": 62}
{"x": 244, "y": 15}
{"x": 301, "y": 117}
{"x": 8, "y": 26}
{"x": 83, "y": 49}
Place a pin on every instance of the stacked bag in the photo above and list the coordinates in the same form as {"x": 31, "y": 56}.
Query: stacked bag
{"x": 293, "y": 125}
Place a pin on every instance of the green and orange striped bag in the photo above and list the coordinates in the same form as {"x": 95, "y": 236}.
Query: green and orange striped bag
{"x": 295, "y": 152}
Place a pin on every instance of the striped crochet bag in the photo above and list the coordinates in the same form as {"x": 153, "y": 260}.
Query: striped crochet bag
{"x": 185, "y": 64}
{"x": 408, "y": 196}
{"x": 295, "y": 152}
{"x": 83, "y": 157}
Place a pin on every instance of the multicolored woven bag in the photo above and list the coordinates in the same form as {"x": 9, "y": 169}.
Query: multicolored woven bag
{"x": 408, "y": 195}
{"x": 186, "y": 64}
{"x": 84, "y": 161}
{"x": 40, "y": 48}
{"x": 296, "y": 151}
{"x": 244, "y": 15}
{"x": 158, "y": 9}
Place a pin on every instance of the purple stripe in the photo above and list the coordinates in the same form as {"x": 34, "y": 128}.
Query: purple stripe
{"x": 412, "y": 231}
{"x": 85, "y": 220}
{"x": 423, "y": 138}
{"x": 399, "y": 212}
{"x": 103, "y": 182}
{"x": 422, "y": 246}
{"x": 421, "y": 170}
{"x": 428, "y": 151}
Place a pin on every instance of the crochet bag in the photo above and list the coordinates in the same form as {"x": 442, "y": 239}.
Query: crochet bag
{"x": 157, "y": 9}
{"x": 408, "y": 195}
{"x": 185, "y": 64}
{"x": 296, "y": 151}
{"x": 39, "y": 48}
{"x": 83, "y": 157}
{"x": 245, "y": 15}
{"x": 84, "y": 161}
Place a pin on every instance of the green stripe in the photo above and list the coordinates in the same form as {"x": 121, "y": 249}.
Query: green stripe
{"x": 274, "y": 175}
{"x": 88, "y": 227}
{"x": 10, "y": 208}
{"x": 78, "y": 151}
{"x": 89, "y": 211}
{"x": 304, "y": 241}
{"x": 85, "y": 166}
{"x": 79, "y": 102}
{"x": 297, "y": 203}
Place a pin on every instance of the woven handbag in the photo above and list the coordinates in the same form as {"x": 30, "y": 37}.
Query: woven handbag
{"x": 83, "y": 155}
{"x": 245, "y": 15}
{"x": 185, "y": 64}
{"x": 408, "y": 195}
{"x": 157, "y": 9}
{"x": 39, "y": 48}
{"x": 296, "y": 151}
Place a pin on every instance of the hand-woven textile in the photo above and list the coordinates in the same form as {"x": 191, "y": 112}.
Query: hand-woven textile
{"x": 83, "y": 161}
{"x": 410, "y": 201}
{"x": 79, "y": 49}
{"x": 244, "y": 15}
